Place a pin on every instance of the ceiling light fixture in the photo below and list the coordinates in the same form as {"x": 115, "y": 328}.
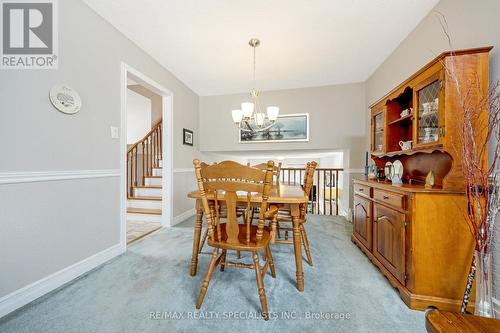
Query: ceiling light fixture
{"x": 250, "y": 117}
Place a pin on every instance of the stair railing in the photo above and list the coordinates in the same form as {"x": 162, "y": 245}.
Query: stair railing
{"x": 325, "y": 194}
{"x": 142, "y": 157}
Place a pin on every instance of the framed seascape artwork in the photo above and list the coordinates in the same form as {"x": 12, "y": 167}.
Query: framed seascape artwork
{"x": 288, "y": 128}
{"x": 187, "y": 137}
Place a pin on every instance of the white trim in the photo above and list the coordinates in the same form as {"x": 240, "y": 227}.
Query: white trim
{"x": 29, "y": 293}
{"x": 179, "y": 170}
{"x": 183, "y": 216}
{"x": 43, "y": 176}
{"x": 496, "y": 307}
{"x": 167, "y": 137}
{"x": 346, "y": 171}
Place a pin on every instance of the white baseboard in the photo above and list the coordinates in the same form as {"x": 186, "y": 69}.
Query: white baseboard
{"x": 183, "y": 216}
{"x": 25, "y": 295}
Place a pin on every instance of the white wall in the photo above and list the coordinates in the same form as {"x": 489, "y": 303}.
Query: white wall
{"x": 50, "y": 225}
{"x": 138, "y": 116}
{"x": 337, "y": 120}
{"x": 471, "y": 24}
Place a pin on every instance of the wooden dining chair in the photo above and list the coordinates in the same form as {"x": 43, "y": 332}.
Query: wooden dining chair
{"x": 224, "y": 183}
{"x": 284, "y": 216}
{"x": 276, "y": 170}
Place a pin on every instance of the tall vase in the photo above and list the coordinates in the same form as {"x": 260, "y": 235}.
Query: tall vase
{"x": 484, "y": 271}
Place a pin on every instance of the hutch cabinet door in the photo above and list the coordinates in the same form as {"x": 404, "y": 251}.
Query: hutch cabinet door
{"x": 429, "y": 110}
{"x": 389, "y": 240}
{"x": 377, "y": 130}
{"x": 362, "y": 228}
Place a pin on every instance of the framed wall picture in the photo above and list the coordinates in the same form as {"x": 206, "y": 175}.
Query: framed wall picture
{"x": 187, "y": 137}
{"x": 288, "y": 128}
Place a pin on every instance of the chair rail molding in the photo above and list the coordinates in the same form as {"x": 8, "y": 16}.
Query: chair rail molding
{"x": 44, "y": 176}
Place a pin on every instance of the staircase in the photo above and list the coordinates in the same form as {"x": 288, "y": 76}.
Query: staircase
{"x": 144, "y": 185}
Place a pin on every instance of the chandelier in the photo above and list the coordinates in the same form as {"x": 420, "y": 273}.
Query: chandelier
{"x": 250, "y": 117}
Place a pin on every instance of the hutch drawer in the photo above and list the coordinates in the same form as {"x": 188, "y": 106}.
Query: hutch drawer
{"x": 394, "y": 199}
{"x": 362, "y": 189}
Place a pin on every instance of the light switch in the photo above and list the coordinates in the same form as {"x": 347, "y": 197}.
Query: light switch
{"x": 114, "y": 132}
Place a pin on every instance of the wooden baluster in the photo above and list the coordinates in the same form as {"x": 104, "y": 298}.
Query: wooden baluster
{"x": 150, "y": 166}
{"x": 317, "y": 194}
{"x": 151, "y": 141}
{"x": 331, "y": 184}
{"x": 294, "y": 173}
{"x": 324, "y": 191}
{"x": 156, "y": 148}
{"x": 161, "y": 142}
{"x": 128, "y": 177}
{"x": 312, "y": 194}
{"x": 336, "y": 192}
{"x": 135, "y": 166}
{"x": 157, "y": 151}
{"x": 300, "y": 177}
{"x": 143, "y": 164}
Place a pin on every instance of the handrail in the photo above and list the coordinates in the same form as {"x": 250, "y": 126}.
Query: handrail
{"x": 324, "y": 198}
{"x": 142, "y": 157}
{"x": 155, "y": 126}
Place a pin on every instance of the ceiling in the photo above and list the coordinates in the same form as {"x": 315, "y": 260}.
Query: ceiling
{"x": 303, "y": 43}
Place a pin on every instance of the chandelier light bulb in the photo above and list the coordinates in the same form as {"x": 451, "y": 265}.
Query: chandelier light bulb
{"x": 259, "y": 119}
{"x": 247, "y": 108}
{"x": 237, "y": 116}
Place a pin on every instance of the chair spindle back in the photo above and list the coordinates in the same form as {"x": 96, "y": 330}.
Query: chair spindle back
{"x": 225, "y": 181}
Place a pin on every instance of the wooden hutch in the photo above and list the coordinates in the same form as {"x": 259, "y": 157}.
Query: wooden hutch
{"x": 418, "y": 237}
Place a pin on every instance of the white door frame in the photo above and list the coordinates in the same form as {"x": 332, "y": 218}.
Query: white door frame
{"x": 167, "y": 144}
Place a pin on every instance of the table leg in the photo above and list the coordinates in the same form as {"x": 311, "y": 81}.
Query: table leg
{"x": 196, "y": 238}
{"x": 297, "y": 246}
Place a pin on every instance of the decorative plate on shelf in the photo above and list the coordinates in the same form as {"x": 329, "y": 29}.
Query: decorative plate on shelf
{"x": 397, "y": 169}
{"x": 388, "y": 170}
{"x": 397, "y": 172}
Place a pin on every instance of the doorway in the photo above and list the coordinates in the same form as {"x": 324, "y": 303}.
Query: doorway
{"x": 146, "y": 156}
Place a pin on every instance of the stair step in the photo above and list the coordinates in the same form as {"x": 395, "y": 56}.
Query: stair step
{"x": 153, "y": 181}
{"x": 149, "y": 204}
{"x": 143, "y": 217}
{"x": 145, "y": 198}
{"x": 148, "y": 186}
{"x": 147, "y": 191}
{"x": 144, "y": 211}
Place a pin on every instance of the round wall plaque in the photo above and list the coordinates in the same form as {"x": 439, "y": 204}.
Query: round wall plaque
{"x": 65, "y": 99}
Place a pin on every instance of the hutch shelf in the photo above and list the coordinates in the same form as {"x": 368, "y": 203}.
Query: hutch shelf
{"x": 418, "y": 236}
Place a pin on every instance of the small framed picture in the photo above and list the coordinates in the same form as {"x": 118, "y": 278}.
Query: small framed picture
{"x": 187, "y": 137}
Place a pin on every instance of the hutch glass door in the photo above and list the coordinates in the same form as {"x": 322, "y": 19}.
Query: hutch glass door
{"x": 378, "y": 130}
{"x": 429, "y": 106}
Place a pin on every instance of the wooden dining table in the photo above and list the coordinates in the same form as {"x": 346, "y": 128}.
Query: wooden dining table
{"x": 285, "y": 197}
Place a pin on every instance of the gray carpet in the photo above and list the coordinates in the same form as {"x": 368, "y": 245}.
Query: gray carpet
{"x": 153, "y": 276}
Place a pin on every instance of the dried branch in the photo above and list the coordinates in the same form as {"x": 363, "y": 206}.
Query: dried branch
{"x": 478, "y": 137}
